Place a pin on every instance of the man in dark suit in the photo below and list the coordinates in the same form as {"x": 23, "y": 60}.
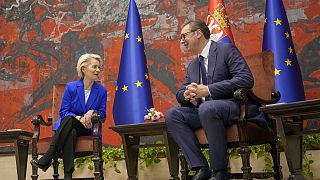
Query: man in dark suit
{"x": 206, "y": 99}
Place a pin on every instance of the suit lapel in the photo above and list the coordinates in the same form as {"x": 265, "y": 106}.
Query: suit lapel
{"x": 212, "y": 60}
{"x": 80, "y": 92}
{"x": 93, "y": 95}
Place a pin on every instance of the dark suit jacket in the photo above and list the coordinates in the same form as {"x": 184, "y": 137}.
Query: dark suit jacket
{"x": 73, "y": 101}
{"x": 227, "y": 72}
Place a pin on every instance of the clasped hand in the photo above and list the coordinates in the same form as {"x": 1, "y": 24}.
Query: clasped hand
{"x": 195, "y": 91}
{"x": 86, "y": 119}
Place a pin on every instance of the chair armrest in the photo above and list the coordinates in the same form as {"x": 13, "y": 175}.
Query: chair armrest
{"x": 96, "y": 123}
{"x": 97, "y": 142}
{"x": 275, "y": 97}
{"x": 37, "y": 121}
{"x": 240, "y": 95}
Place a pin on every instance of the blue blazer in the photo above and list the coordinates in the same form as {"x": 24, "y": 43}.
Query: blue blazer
{"x": 73, "y": 101}
{"x": 227, "y": 72}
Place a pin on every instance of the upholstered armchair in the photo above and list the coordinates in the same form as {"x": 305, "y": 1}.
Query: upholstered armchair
{"x": 85, "y": 145}
{"x": 244, "y": 133}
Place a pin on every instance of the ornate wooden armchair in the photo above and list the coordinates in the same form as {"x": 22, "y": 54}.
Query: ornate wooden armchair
{"x": 85, "y": 145}
{"x": 244, "y": 133}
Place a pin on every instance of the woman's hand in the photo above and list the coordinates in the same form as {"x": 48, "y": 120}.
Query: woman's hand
{"x": 82, "y": 121}
{"x": 87, "y": 119}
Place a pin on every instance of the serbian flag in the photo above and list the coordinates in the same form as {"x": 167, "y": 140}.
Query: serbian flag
{"x": 277, "y": 38}
{"x": 133, "y": 92}
{"x": 218, "y": 22}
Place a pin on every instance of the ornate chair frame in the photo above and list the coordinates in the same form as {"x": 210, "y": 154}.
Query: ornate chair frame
{"x": 85, "y": 145}
{"x": 244, "y": 133}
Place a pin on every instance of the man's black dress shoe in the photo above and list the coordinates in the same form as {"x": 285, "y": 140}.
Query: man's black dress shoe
{"x": 38, "y": 165}
{"x": 202, "y": 174}
{"x": 219, "y": 176}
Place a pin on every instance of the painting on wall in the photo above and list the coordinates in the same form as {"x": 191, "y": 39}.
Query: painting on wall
{"x": 40, "y": 42}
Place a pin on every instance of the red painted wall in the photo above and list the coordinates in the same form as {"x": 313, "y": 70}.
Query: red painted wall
{"x": 40, "y": 42}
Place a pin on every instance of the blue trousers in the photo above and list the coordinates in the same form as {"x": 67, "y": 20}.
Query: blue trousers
{"x": 214, "y": 117}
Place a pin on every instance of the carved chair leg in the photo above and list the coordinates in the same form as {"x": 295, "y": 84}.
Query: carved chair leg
{"x": 184, "y": 167}
{"x": 101, "y": 167}
{"x": 34, "y": 175}
{"x": 97, "y": 161}
{"x": 275, "y": 153}
{"x": 245, "y": 157}
{"x": 55, "y": 165}
{"x": 229, "y": 169}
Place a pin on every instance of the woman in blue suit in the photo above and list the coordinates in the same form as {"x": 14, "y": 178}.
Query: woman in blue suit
{"x": 80, "y": 99}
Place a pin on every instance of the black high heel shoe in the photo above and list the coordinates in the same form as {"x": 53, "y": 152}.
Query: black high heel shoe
{"x": 44, "y": 168}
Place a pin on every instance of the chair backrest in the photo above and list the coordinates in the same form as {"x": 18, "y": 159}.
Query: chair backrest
{"x": 58, "y": 90}
{"x": 262, "y": 68}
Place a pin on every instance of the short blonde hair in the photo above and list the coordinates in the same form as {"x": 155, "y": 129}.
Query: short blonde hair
{"x": 83, "y": 61}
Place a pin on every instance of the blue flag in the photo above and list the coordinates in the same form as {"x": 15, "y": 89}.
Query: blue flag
{"x": 277, "y": 38}
{"x": 133, "y": 93}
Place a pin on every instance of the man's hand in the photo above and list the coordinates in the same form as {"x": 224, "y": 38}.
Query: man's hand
{"x": 200, "y": 90}
{"x": 189, "y": 93}
{"x": 194, "y": 101}
{"x": 195, "y": 91}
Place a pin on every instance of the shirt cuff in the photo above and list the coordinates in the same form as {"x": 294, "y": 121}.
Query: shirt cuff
{"x": 208, "y": 90}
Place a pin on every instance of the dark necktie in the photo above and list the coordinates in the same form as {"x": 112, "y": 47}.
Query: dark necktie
{"x": 203, "y": 71}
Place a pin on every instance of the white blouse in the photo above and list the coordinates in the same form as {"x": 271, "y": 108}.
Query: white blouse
{"x": 86, "y": 95}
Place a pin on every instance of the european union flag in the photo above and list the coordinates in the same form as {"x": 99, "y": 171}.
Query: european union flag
{"x": 277, "y": 38}
{"x": 218, "y": 22}
{"x": 133, "y": 93}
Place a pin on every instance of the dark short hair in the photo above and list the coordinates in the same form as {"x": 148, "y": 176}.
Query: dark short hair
{"x": 198, "y": 24}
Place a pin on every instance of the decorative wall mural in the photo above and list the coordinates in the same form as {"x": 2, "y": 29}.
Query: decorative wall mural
{"x": 41, "y": 40}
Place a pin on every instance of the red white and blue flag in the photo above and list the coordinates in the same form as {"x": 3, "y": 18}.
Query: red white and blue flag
{"x": 218, "y": 22}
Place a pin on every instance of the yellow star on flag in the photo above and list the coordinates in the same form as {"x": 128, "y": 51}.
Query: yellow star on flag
{"x": 276, "y": 72}
{"x": 126, "y": 36}
{"x": 139, "y": 39}
{"x": 125, "y": 88}
{"x": 138, "y": 83}
{"x": 277, "y": 21}
{"x": 117, "y": 88}
{"x": 287, "y": 35}
{"x": 290, "y": 49}
{"x": 288, "y": 62}
{"x": 265, "y": 21}
{"x": 147, "y": 76}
